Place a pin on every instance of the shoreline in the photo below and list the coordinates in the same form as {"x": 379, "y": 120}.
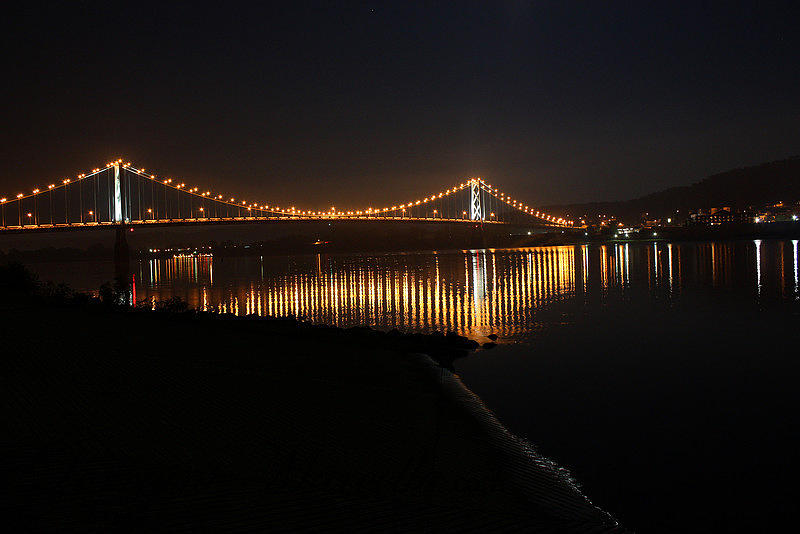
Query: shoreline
{"x": 154, "y": 418}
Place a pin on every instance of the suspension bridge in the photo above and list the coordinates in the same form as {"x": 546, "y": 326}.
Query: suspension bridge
{"x": 120, "y": 194}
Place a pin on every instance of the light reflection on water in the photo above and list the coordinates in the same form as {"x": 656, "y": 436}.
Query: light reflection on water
{"x": 471, "y": 292}
{"x": 476, "y": 292}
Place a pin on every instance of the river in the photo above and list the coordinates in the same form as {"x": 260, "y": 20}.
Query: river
{"x": 662, "y": 375}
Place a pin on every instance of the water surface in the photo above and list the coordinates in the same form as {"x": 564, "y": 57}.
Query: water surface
{"x": 663, "y": 375}
{"x": 472, "y": 292}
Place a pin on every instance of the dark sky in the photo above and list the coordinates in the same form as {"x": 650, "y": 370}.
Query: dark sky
{"x": 368, "y": 103}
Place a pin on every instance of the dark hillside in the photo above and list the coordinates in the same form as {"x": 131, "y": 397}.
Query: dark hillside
{"x": 738, "y": 188}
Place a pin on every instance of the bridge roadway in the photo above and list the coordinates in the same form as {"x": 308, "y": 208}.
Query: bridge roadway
{"x": 156, "y": 223}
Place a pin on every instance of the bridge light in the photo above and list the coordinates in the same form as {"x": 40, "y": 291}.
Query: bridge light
{"x": 35, "y": 191}
{"x": 3, "y": 199}
{"x": 19, "y": 196}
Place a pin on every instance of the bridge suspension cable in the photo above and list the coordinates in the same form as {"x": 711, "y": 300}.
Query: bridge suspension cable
{"x": 120, "y": 193}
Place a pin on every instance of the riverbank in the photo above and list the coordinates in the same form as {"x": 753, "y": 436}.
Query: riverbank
{"x": 174, "y": 420}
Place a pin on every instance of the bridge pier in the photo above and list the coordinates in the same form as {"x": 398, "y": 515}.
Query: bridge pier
{"x": 122, "y": 255}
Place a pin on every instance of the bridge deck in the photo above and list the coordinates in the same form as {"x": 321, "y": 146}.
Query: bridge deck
{"x": 246, "y": 220}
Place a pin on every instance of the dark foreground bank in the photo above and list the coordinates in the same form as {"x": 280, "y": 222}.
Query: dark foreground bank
{"x": 179, "y": 421}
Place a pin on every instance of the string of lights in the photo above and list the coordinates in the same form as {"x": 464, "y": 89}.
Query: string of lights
{"x": 247, "y": 209}
{"x": 522, "y": 207}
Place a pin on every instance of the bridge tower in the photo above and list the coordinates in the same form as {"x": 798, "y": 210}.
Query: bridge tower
{"x": 476, "y": 210}
{"x": 118, "y": 215}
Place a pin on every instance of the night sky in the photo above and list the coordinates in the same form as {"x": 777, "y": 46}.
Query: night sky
{"x": 359, "y": 103}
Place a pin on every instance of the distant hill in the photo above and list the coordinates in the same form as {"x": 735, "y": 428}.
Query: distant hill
{"x": 738, "y": 188}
